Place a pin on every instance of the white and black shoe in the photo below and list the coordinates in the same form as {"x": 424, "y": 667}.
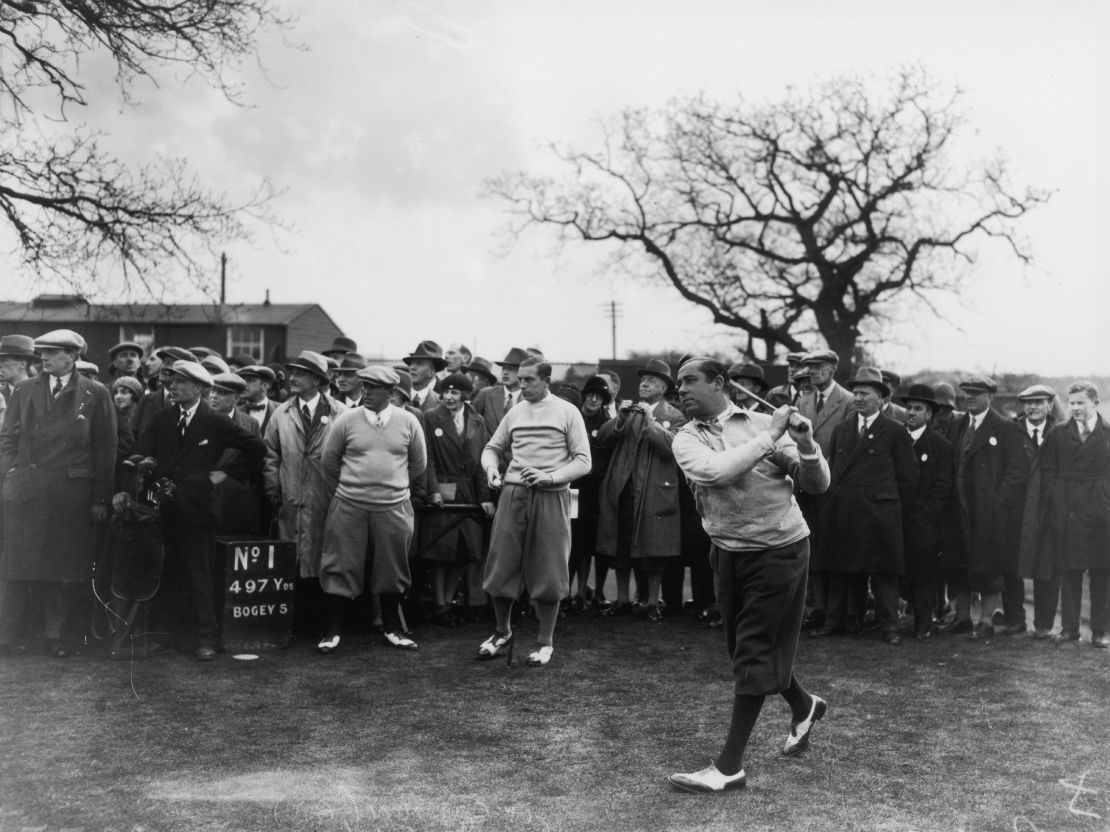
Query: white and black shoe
{"x": 540, "y": 656}
{"x": 328, "y": 644}
{"x": 797, "y": 740}
{"x": 708, "y": 781}
{"x": 400, "y": 641}
{"x": 495, "y": 645}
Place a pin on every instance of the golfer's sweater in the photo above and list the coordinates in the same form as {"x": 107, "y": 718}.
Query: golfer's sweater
{"x": 548, "y": 435}
{"x": 374, "y": 465}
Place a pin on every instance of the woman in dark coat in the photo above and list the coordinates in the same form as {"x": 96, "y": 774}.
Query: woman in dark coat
{"x": 456, "y": 436}
{"x": 583, "y": 528}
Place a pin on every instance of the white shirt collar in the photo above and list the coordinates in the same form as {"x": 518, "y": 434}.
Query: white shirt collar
{"x": 866, "y": 421}
{"x": 916, "y": 434}
{"x": 1030, "y": 427}
{"x": 385, "y": 415}
{"x": 65, "y": 380}
{"x": 976, "y": 421}
{"x": 191, "y": 412}
{"x": 650, "y": 408}
{"x": 311, "y": 404}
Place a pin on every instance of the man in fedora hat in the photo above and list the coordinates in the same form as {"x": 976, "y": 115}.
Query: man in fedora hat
{"x": 924, "y": 516}
{"x": 747, "y": 377}
{"x": 254, "y": 402}
{"x": 639, "y": 522}
{"x": 1034, "y": 560}
{"x": 423, "y": 363}
{"x": 191, "y": 444}
{"x": 298, "y": 487}
{"x": 480, "y": 371}
{"x": 991, "y": 473}
{"x": 348, "y": 386}
{"x": 494, "y": 402}
{"x": 57, "y": 463}
{"x": 17, "y": 354}
{"x": 340, "y": 347}
{"x": 373, "y": 452}
{"x": 874, "y": 472}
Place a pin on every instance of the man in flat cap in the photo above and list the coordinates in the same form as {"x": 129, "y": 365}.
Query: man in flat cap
{"x": 158, "y": 399}
{"x": 544, "y": 441}
{"x": 1034, "y": 560}
{"x": 494, "y": 402}
{"x": 298, "y": 487}
{"x": 254, "y": 402}
{"x": 788, "y": 393}
{"x": 874, "y": 472}
{"x": 991, "y": 471}
{"x": 373, "y": 453}
{"x": 57, "y": 463}
{"x": 640, "y": 523}
{"x": 125, "y": 359}
{"x": 423, "y": 363}
{"x": 190, "y": 443}
{"x": 241, "y": 499}
{"x": 924, "y": 516}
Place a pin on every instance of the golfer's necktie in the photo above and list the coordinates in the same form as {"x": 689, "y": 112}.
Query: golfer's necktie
{"x": 306, "y": 415}
{"x": 1036, "y": 437}
{"x": 182, "y": 424}
{"x": 57, "y": 387}
{"x": 820, "y": 402}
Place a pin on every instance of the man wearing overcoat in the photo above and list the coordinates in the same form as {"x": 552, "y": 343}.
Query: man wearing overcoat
{"x": 495, "y": 401}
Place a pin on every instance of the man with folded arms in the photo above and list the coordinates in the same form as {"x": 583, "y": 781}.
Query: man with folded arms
{"x": 545, "y": 439}
{"x": 373, "y": 452}
{"x": 742, "y": 467}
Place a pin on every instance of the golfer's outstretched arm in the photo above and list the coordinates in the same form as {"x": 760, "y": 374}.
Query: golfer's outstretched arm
{"x": 702, "y": 464}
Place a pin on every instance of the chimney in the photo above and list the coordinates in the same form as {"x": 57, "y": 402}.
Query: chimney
{"x": 267, "y": 301}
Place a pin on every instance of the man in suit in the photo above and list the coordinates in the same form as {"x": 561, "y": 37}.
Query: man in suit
{"x": 254, "y": 401}
{"x": 1075, "y": 479}
{"x": 57, "y": 463}
{"x": 640, "y": 522}
{"x": 423, "y": 363}
{"x": 348, "y": 387}
{"x": 494, "y": 402}
{"x": 788, "y": 393}
{"x": 891, "y": 409}
{"x": 923, "y": 516}
{"x": 991, "y": 470}
{"x": 158, "y": 399}
{"x": 826, "y": 406}
{"x": 17, "y": 354}
{"x": 243, "y": 508}
{"x": 873, "y": 476}
{"x": 190, "y": 443}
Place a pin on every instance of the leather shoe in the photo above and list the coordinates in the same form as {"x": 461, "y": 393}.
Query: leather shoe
{"x": 328, "y": 644}
{"x": 958, "y": 627}
{"x": 1040, "y": 633}
{"x": 654, "y": 614}
{"x": 708, "y": 781}
{"x": 205, "y": 653}
{"x": 495, "y": 645}
{"x": 923, "y": 634}
{"x": 797, "y": 740}
{"x": 1066, "y": 637}
{"x": 1013, "y": 629}
{"x": 540, "y": 656}
{"x": 1100, "y": 640}
{"x": 892, "y": 638}
{"x": 617, "y": 608}
{"x": 400, "y": 641}
{"x": 998, "y": 618}
{"x": 981, "y": 632}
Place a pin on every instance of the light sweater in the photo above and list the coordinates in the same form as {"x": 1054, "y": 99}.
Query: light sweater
{"x": 374, "y": 465}
{"x": 548, "y": 435}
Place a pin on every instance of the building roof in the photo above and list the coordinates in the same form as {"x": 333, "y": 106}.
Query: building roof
{"x": 61, "y": 309}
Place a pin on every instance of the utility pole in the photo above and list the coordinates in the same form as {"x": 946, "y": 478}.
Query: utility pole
{"x": 612, "y": 310}
{"x": 223, "y": 279}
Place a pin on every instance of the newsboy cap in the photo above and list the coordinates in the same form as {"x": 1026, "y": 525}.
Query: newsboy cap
{"x": 821, "y": 357}
{"x": 203, "y": 352}
{"x": 752, "y": 371}
{"x": 192, "y": 371}
{"x": 258, "y": 371}
{"x": 230, "y": 382}
{"x": 87, "y": 368}
{"x": 174, "y": 354}
{"x": 795, "y": 357}
{"x": 378, "y": 376}
{"x": 979, "y": 384}
{"x": 61, "y": 339}
{"x": 126, "y": 345}
{"x": 1037, "y": 391}
{"x": 312, "y": 362}
{"x": 214, "y": 364}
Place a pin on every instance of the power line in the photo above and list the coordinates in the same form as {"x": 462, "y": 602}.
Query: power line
{"x": 612, "y": 310}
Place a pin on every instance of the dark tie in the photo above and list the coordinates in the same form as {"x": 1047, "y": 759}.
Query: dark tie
{"x": 306, "y": 415}
{"x": 820, "y": 401}
{"x": 1083, "y": 432}
{"x": 508, "y": 399}
{"x": 255, "y": 408}
{"x": 862, "y": 427}
{"x": 182, "y": 424}
{"x": 1036, "y": 437}
{"x": 57, "y": 386}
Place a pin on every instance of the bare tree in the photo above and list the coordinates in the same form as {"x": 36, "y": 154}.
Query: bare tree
{"x": 77, "y": 214}
{"x": 808, "y": 216}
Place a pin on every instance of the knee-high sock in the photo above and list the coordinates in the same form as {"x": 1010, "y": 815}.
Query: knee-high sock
{"x": 503, "y": 610}
{"x": 391, "y": 605}
{"x": 798, "y": 699}
{"x": 745, "y": 711}
{"x": 336, "y": 604}
{"x": 548, "y": 614}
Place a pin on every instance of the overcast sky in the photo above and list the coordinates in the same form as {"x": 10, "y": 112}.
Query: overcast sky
{"x": 383, "y": 127}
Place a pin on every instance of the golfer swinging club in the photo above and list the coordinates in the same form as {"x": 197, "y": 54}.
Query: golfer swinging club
{"x": 741, "y": 467}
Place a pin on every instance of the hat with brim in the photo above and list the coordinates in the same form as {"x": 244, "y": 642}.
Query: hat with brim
{"x": 919, "y": 393}
{"x": 872, "y": 378}
{"x": 229, "y": 383}
{"x": 192, "y": 371}
{"x": 751, "y": 371}
{"x": 1037, "y": 391}
{"x": 126, "y": 345}
{"x": 457, "y": 381}
{"x": 404, "y": 384}
{"x": 18, "y": 346}
{"x": 892, "y": 378}
{"x": 427, "y": 351}
{"x": 352, "y": 362}
{"x": 175, "y": 354}
{"x": 258, "y": 371}
{"x": 659, "y": 368}
{"x": 821, "y": 357}
{"x": 979, "y": 384}
{"x": 378, "y": 376}
{"x": 514, "y": 357}
{"x": 482, "y": 367}
{"x": 795, "y": 357}
{"x": 599, "y": 387}
{"x": 214, "y": 364}
{"x": 340, "y": 347}
{"x": 312, "y": 362}
{"x": 61, "y": 339}
{"x": 946, "y": 394}
{"x": 241, "y": 359}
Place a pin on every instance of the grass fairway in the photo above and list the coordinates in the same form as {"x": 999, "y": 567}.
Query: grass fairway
{"x": 943, "y": 735}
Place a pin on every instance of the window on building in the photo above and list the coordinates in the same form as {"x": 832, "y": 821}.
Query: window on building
{"x": 246, "y": 339}
{"x": 143, "y": 335}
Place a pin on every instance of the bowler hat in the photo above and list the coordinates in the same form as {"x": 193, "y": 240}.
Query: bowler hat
{"x": 821, "y": 357}
{"x": 659, "y": 368}
{"x": 482, "y": 367}
{"x": 404, "y": 383}
{"x": 428, "y": 350}
{"x": 312, "y": 362}
{"x": 61, "y": 339}
{"x": 126, "y": 345}
{"x": 598, "y": 386}
{"x": 514, "y": 357}
{"x": 352, "y": 362}
{"x": 174, "y": 354}
{"x": 340, "y": 347}
{"x": 946, "y": 394}
{"x": 1037, "y": 391}
{"x": 919, "y": 393}
{"x": 871, "y": 377}
{"x": 378, "y": 376}
{"x": 752, "y": 371}
{"x": 17, "y": 346}
{"x": 214, "y": 364}
{"x": 192, "y": 371}
{"x": 979, "y": 384}
{"x": 230, "y": 382}
{"x": 459, "y": 381}
{"x": 258, "y": 371}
